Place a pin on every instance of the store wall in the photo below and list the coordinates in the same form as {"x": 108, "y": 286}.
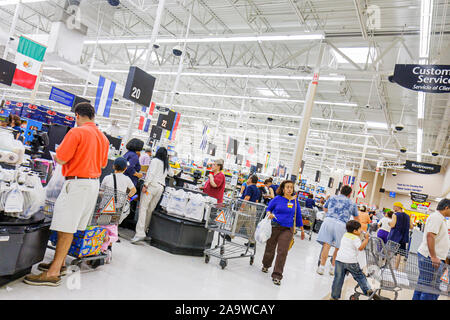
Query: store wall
{"x": 388, "y": 202}
{"x": 446, "y": 184}
{"x": 369, "y": 177}
{"x": 406, "y": 181}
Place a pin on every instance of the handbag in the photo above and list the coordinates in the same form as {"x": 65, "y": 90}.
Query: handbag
{"x": 295, "y": 219}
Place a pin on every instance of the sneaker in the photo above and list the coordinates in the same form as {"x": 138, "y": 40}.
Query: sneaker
{"x": 320, "y": 270}
{"x": 46, "y": 266}
{"x": 137, "y": 239}
{"x": 276, "y": 282}
{"x": 42, "y": 280}
{"x": 265, "y": 270}
{"x": 332, "y": 271}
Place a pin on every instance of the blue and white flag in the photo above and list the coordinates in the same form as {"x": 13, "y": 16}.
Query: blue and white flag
{"x": 104, "y": 97}
{"x": 204, "y": 138}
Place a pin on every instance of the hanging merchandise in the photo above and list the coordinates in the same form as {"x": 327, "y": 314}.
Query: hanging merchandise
{"x": 104, "y": 97}
{"x": 29, "y": 59}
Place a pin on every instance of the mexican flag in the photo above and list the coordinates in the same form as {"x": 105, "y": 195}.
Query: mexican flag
{"x": 29, "y": 59}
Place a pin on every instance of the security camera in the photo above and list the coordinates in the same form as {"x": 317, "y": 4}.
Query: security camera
{"x": 399, "y": 127}
{"x": 402, "y": 149}
{"x": 394, "y": 173}
{"x": 269, "y": 119}
{"x": 434, "y": 153}
{"x": 367, "y": 106}
{"x": 156, "y": 46}
{"x": 290, "y": 134}
{"x": 177, "y": 50}
{"x": 116, "y": 100}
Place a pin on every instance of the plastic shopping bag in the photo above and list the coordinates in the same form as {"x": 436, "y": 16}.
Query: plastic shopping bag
{"x": 55, "y": 185}
{"x": 14, "y": 201}
{"x": 195, "y": 208}
{"x": 263, "y": 230}
{"x": 35, "y": 197}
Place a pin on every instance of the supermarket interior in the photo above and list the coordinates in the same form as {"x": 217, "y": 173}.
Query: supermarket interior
{"x": 224, "y": 150}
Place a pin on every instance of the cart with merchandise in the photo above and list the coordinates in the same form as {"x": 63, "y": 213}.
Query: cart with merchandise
{"x": 86, "y": 245}
{"x": 411, "y": 273}
{"x": 234, "y": 218}
{"x": 309, "y": 218}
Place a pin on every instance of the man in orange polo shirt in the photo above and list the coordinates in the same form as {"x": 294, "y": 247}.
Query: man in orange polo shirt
{"x": 83, "y": 153}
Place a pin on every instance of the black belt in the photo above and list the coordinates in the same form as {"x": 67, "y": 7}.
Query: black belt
{"x": 79, "y": 178}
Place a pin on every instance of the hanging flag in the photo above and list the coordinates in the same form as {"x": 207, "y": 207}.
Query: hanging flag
{"x": 29, "y": 59}
{"x": 204, "y": 142}
{"x": 349, "y": 180}
{"x": 104, "y": 97}
{"x": 247, "y": 164}
{"x": 267, "y": 161}
{"x": 362, "y": 189}
{"x": 146, "y": 117}
{"x": 172, "y": 132}
{"x": 251, "y": 150}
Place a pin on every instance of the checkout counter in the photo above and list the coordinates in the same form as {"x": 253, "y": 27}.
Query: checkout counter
{"x": 176, "y": 234}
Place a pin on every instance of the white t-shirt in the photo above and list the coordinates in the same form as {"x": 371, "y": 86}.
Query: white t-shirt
{"x": 436, "y": 224}
{"x": 156, "y": 175}
{"x": 384, "y": 224}
{"x": 348, "y": 251}
{"x": 123, "y": 182}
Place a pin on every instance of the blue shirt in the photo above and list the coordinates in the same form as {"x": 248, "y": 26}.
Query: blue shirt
{"x": 400, "y": 233}
{"x": 341, "y": 208}
{"x": 245, "y": 189}
{"x": 253, "y": 192}
{"x": 274, "y": 188}
{"x": 284, "y": 211}
{"x": 310, "y": 203}
{"x": 133, "y": 166}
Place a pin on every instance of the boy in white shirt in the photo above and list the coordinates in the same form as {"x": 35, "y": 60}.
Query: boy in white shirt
{"x": 124, "y": 184}
{"x": 347, "y": 261}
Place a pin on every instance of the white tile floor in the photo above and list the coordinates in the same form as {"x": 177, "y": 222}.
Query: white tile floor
{"x": 144, "y": 272}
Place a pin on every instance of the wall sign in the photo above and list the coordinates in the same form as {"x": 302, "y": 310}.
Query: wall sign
{"x": 392, "y": 194}
{"x": 418, "y": 197}
{"x": 61, "y": 96}
{"x": 424, "y": 78}
{"x": 139, "y": 87}
{"x": 421, "y": 167}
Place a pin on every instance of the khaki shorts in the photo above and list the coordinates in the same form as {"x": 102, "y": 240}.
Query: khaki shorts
{"x": 75, "y": 205}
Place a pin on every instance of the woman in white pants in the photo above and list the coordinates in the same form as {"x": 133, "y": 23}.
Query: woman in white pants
{"x": 155, "y": 181}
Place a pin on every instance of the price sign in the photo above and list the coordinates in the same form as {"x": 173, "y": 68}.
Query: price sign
{"x": 139, "y": 86}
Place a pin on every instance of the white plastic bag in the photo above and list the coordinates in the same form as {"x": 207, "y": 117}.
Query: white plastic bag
{"x": 166, "y": 197}
{"x": 177, "y": 203}
{"x": 263, "y": 230}
{"x": 195, "y": 208}
{"x": 35, "y": 197}
{"x": 14, "y": 201}
{"x": 55, "y": 185}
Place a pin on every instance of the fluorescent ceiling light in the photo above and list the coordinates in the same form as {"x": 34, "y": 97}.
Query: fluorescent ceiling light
{"x": 377, "y": 125}
{"x": 11, "y": 2}
{"x": 426, "y": 16}
{"x": 358, "y": 55}
{"x": 419, "y": 144}
{"x": 298, "y": 37}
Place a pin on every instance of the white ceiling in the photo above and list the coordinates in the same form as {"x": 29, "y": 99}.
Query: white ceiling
{"x": 342, "y": 107}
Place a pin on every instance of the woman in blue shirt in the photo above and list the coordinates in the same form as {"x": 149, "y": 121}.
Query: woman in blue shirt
{"x": 282, "y": 211}
{"x": 134, "y": 147}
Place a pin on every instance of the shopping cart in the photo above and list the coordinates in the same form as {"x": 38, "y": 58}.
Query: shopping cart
{"x": 234, "y": 218}
{"x": 108, "y": 210}
{"x": 411, "y": 273}
{"x": 309, "y": 218}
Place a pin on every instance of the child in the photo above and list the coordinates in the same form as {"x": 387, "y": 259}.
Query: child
{"x": 124, "y": 184}
{"x": 346, "y": 261}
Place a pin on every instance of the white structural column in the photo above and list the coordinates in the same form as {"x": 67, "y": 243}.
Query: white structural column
{"x": 12, "y": 29}
{"x": 306, "y": 117}
{"x": 155, "y": 31}
{"x": 361, "y": 167}
{"x": 372, "y": 193}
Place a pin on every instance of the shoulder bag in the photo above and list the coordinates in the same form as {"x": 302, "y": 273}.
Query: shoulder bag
{"x": 295, "y": 219}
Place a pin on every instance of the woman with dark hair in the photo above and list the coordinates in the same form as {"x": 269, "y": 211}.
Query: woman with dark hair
{"x": 134, "y": 147}
{"x": 155, "y": 182}
{"x": 282, "y": 210}
{"x": 15, "y": 123}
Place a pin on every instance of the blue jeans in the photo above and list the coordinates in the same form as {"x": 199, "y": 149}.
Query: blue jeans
{"x": 340, "y": 271}
{"x": 428, "y": 277}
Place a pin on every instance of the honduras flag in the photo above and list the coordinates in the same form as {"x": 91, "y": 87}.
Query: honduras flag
{"x": 104, "y": 97}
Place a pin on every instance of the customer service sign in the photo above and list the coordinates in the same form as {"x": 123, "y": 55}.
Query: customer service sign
{"x": 424, "y": 78}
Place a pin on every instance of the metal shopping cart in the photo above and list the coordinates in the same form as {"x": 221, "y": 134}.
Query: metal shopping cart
{"x": 108, "y": 210}
{"x": 234, "y": 218}
{"x": 411, "y": 273}
{"x": 309, "y": 218}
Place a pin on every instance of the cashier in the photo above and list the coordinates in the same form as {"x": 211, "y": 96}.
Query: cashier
{"x": 215, "y": 186}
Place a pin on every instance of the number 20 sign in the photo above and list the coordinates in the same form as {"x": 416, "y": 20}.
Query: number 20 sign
{"x": 139, "y": 86}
